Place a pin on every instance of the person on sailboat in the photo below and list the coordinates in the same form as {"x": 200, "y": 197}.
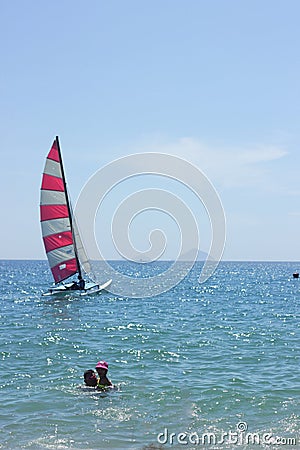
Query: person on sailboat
{"x": 74, "y": 286}
{"x": 81, "y": 283}
{"x": 103, "y": 381}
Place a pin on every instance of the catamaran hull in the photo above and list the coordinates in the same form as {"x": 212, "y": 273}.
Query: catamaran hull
{"x": 65, "y": 289}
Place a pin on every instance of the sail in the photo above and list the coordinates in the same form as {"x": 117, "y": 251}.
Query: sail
{"x": 82, "y": 256}
{"x": 55, "y": 219}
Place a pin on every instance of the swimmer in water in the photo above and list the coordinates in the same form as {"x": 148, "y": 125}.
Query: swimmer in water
{"x": 90, "y": 378}
{"x": 103, "y": 381}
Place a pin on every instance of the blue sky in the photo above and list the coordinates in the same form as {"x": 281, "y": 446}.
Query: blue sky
{"x": 214, "y": 82}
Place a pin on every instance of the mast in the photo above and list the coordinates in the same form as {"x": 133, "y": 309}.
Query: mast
{"x": 68, "y": 206}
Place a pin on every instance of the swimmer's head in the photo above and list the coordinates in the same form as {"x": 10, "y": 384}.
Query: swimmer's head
{"x": 90, "y": 378}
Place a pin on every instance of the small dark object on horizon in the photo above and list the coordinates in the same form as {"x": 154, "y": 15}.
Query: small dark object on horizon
{"x": 296, "y": 275}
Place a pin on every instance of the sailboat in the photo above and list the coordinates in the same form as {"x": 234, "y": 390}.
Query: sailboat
{"x": 63, "y": 245}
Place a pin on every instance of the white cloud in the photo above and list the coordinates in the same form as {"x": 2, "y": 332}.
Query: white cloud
{"x": 262, "y": 154}
{"x": 229, "y": 167}
{"x": 226, "y": 167}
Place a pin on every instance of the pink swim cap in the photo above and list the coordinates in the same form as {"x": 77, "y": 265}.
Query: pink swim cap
{"x": 102, "y": 365}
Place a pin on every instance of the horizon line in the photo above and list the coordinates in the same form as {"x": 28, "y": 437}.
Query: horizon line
{"x": 161, "y": 260}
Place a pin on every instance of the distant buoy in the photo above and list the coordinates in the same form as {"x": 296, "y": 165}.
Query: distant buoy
{"x": 296, "y": 275}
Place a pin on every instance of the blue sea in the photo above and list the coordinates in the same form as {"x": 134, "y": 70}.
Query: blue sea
{"x": 213, "y": 365}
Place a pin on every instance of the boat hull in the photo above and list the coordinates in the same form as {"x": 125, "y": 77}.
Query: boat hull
{"x": 65, "y": 289}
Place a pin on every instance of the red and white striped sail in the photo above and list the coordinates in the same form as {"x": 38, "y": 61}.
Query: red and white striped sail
{"x": 55, "y": 219}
